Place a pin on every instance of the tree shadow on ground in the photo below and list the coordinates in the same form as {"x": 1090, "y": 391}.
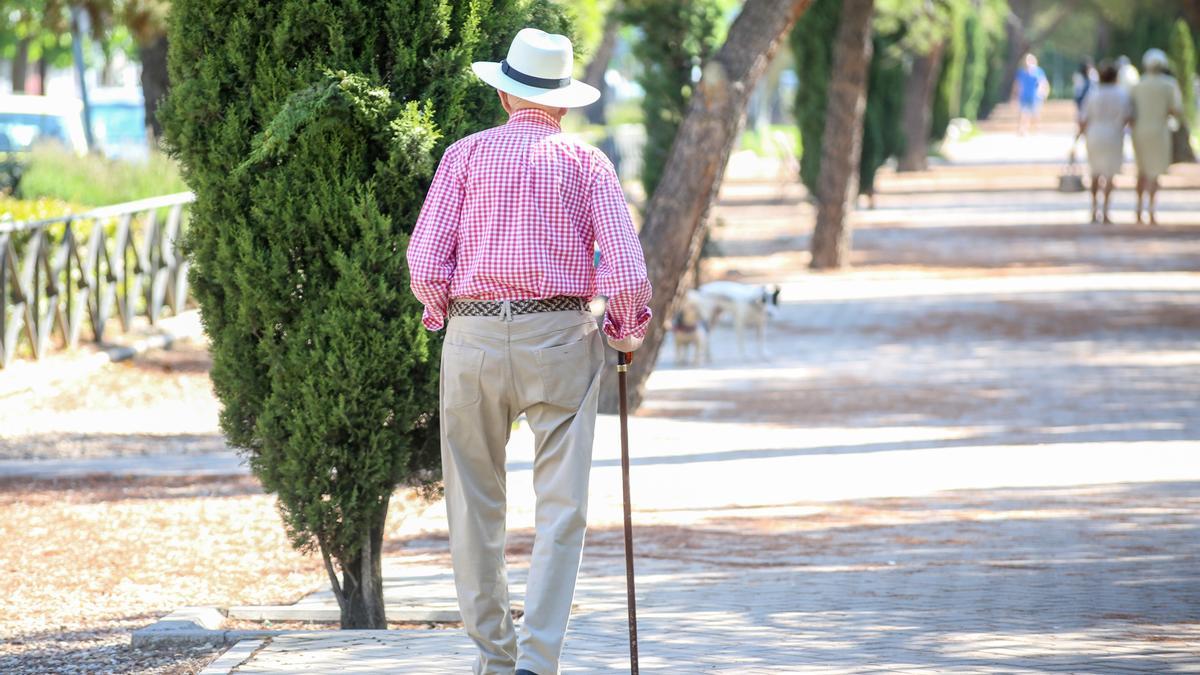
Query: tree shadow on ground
{"x": 1085, "y": 579}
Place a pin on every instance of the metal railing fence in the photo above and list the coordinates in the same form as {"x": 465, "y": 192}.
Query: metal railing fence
{"x": 121, "y": 260}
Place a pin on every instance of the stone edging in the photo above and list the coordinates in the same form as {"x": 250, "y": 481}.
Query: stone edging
{"x": 194, "y": 626}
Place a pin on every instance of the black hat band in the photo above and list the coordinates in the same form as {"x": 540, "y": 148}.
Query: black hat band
{"x": 539, "y": 82}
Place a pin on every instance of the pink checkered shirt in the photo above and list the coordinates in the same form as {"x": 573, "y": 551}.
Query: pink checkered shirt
{"x": 515, "y": 212}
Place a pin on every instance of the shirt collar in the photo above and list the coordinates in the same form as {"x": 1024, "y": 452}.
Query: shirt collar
{"x": 533, "y": 116}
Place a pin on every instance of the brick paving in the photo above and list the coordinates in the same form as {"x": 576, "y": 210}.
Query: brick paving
{"x": 978, "y": 452}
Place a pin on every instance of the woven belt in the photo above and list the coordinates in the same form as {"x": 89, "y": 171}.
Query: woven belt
{"x": 559, "y": 303}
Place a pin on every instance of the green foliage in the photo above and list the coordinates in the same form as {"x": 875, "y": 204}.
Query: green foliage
{"x": 309, "y": 131}
{"x": 587, "y": 18}
{"x": 812, "y": 49}
{"x": 947, "y": 97}
{"x": 1149, "y": 27}
{"x": 1183, "y": 64}
{"x": 920, "y": 24}
{"x": 677, "y": 36}
{"x": 883, "y": 135}
{"x": 975, "y": 67}
{"x": 96, "y": 181}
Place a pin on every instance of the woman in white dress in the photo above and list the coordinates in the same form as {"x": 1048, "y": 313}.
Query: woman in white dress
{"x": 1156, "y": 98}
{"x": 1105, "y": 113}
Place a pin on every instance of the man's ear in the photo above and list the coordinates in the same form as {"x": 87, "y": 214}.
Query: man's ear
{"x": 504, "y": 102}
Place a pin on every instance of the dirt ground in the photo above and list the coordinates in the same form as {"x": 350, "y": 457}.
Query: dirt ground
{"x": 88, "y": 561}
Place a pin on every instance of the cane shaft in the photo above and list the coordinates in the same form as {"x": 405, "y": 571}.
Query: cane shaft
{"x": 630, "y": 599}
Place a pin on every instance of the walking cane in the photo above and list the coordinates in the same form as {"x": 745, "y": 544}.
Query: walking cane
{"x": 623, "y": 361}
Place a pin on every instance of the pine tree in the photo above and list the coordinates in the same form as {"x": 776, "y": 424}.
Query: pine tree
{"x": 309, "y": 132}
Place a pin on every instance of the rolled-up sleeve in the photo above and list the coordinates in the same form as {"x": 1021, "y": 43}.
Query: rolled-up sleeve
{"x": 431, "y": 250}
{"x": 621, "y": 276}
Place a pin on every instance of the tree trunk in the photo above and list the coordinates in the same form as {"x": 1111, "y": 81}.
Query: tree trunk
{"x": 20, "y": 66}
{"x": 43, "y": 71}
{"x": 675, "y": 215}
{"x": 1103, "y": 37}
{"x": 154, "y": 81}
{"x": 598, "y": 66}
{"x": 359, "y": 592}
{"x": 918, "y": 101}
{"x": 841, "y": 145}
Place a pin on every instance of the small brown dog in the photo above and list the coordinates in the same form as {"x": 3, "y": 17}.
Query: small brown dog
{"x": 690, "y": 332}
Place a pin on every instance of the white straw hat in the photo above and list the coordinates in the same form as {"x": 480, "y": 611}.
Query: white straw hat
{"x": 1154, "y": 59}
{"x": 538, "y": 69}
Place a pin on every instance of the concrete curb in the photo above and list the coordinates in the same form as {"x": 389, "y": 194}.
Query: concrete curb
{"x": 195, "y": 626}
{"x": 333, "y": 614}
{"x": 235, "y": 657}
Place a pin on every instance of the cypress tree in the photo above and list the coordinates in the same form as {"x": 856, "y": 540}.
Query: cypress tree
{"x": 309, "y": 132}
{"x": 812, "y": 48}
{"x": 975, "y": 67}
{"x": 947, "y": 99}
{"x": 1183, "y": 64}
{"x": 677, "y": 36}
{"x": 883, "y": 135}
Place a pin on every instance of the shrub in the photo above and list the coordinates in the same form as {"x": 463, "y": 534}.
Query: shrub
{"x": 309, "y": 131}
{"x": 34, "y": 209}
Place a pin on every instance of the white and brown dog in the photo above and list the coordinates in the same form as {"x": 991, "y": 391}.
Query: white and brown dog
{"x": 749, "y": 306}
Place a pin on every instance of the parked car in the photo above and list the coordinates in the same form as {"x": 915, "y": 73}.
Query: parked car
{"x": 119, "y": 124}
{"x": 26, "y": 121}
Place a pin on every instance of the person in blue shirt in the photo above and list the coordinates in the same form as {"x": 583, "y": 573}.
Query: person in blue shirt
{"x": 1030, "y": 87}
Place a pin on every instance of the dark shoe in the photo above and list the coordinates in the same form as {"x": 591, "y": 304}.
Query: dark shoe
{"x": 525, "y": 672}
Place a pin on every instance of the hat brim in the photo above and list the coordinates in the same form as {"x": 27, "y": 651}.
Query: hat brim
{"x": 575, "y": 95}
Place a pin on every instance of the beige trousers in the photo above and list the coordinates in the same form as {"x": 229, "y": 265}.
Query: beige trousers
{"x": 547, "y": 365}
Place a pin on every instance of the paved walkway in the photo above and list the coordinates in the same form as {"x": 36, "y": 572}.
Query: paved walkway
{"x": 978, "y": 452}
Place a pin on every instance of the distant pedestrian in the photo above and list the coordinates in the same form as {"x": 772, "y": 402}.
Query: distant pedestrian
{"x": 1031, "y": 88}
{"x": 1082, "y": 82}
{"x": 1127, "y": 73}
{"x": 1105, "y": 113}
{"x": 1156, "y": 98}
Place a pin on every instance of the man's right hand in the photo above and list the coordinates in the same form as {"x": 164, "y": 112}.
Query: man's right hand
{"x": 625, "y": 344}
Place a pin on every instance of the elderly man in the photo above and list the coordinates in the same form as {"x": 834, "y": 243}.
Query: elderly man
{"x": 503, "y": 249}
